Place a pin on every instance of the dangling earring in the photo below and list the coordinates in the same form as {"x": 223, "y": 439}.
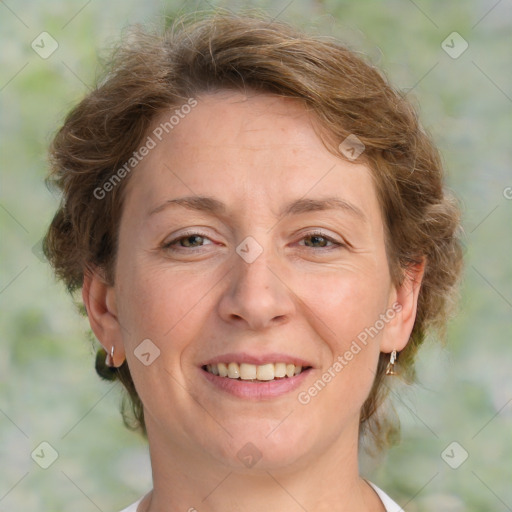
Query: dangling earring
{"x": 390, "y": 369}
{"x": 109, "y": 360}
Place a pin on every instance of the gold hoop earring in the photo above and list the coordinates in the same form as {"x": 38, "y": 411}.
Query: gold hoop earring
{"x": 109, "y": 361}
{"x": 390, "y": 369}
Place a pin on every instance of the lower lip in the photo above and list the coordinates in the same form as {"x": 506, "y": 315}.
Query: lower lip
{"x": 256, "y": 390}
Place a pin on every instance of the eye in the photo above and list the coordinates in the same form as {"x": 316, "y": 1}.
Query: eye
{"x": 186, "y": 241}
{"x": 321, "y": 239}
{"x": 317, "y": 240}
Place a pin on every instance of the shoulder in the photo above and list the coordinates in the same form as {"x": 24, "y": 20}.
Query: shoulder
{"x": 133, "y": 507}
{"x": 390, "y": 505}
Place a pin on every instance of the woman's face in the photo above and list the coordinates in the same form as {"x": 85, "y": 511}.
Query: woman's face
{"x": 276, "y": 256}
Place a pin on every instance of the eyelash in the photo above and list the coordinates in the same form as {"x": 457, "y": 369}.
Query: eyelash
{"x": 336, "y": 244}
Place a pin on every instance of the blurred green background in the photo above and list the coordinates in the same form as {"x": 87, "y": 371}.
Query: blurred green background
{"x": 48, "y": 387}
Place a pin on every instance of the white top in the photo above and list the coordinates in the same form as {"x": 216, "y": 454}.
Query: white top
{"x": 390, "y": 505}
{"x": 132, "y": 508}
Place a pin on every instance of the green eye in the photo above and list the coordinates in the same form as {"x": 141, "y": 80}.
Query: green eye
{"x": 188, "y": 240}
{"x": 322, "y": 239}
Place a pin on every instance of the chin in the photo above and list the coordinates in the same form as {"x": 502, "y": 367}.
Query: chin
{"x": 264, "y": 449}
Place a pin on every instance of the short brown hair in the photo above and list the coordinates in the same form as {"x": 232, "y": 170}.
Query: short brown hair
{"x": 153, "y": 72}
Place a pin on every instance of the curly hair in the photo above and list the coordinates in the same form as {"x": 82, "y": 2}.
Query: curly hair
{"x": 152, "y": 72}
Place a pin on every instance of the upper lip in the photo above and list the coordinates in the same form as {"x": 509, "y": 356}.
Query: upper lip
{"x": 257, "y": 359}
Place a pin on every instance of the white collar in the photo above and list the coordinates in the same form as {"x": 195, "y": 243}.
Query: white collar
{"x": 390, "y": 505}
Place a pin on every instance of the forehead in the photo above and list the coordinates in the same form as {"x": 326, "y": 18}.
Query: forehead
{"x": 245, "y": 149}
{"x": 227, "y": 122}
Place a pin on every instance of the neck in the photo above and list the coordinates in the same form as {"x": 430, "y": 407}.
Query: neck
{"x": 190, "y": 480}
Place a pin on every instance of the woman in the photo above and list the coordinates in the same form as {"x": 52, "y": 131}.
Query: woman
{"x": 259, "y": 227}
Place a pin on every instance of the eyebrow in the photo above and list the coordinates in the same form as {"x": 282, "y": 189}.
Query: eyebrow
{"x": 303, "y": 205}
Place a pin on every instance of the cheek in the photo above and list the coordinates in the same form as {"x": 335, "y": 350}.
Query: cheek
{"x": 153, "y": 303}
{"x": 168, "y": 308}
{"x": 163, "y": 304}
{"x": 346, "y": 310}
{"x": 347, "y": 300}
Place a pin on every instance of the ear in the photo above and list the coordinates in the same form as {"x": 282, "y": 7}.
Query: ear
{"x": 100, "y": 302}
{"x": 404, "y": 302}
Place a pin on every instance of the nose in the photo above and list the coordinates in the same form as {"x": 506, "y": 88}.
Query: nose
{"x": 257, "y": 295}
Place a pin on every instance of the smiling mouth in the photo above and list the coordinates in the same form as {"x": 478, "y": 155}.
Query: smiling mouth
{"x": 255, "y": 373}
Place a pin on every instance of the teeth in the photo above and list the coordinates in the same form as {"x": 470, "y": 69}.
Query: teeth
{"x": 279, "y": 370}
{"x": 233, "y": 370}
{"x": 245, "y": 371}
{"x": 265, "y": 372}
{"x": 223, "y": 369}
{"x": 212, "y": 368}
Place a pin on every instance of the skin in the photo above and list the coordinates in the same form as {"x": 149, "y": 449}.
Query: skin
{"x": 302, "y": 295}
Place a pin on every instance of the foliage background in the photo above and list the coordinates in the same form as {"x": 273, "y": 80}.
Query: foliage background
{"x": 48, "y": 388}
